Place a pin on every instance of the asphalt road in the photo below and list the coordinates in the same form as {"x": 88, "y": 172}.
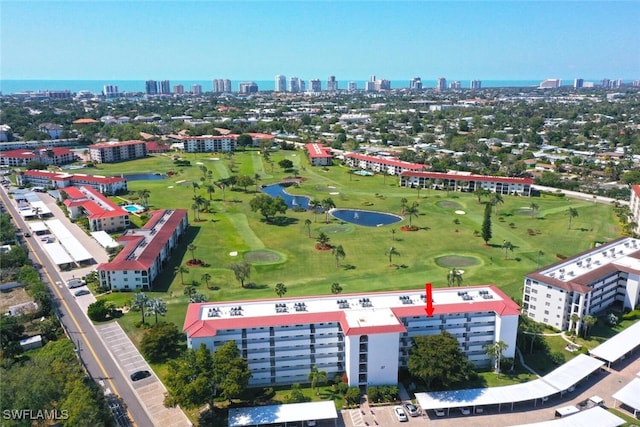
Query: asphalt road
{"x": 92, "y": 351}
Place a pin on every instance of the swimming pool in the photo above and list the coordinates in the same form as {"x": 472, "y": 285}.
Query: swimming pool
{"x": 365, "y": 218}
{"x": 134, "y": 209}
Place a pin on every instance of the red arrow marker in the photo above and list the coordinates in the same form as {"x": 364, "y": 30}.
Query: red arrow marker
{"x": 429, "y": 309}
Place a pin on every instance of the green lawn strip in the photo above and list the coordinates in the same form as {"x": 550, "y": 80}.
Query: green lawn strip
{"x": 244, "y": 230}
{"x": 629, "y": 420}
{"x": 258, "y": 165}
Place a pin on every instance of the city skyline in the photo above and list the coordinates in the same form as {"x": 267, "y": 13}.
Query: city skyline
{"x": 112, "y": 40}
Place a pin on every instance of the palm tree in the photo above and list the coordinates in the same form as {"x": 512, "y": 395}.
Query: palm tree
{"x": 572, "y": 213}
{"x": 156, "y": 306}
{"x": 196, "y": 211}
{"x": 403, "y": 204}
{"x": 575, "y": 318}
{"x": 316, "y": 377}
{"x": 192, "y": 248}
{"x": 181, "y": 269}
{"x": 540, "y": 253}
{"x": 534, "y": 207}
{"x": 336, "y": 288}
{"x": 256, "y": 179}
{"x": 222, "y": 185}
{"x": 338, "y": 252}
{"x": 139, "y": 302}
{"x": 588, "y": 321}
{"x": 210, "y": 189}
{"x": 495, "y": 351}
{"x": 307, "y": 223}
{"x": 411, "y": 211}
{"x": 314, "y": 204}
{"x": 195, "y": 186}
{"x": 393, "y": 234}
{"x": 144, "y": 195}
{"x": 507, "y": 247}
{"x": 323, "y": 240}
{"x": 189, "y": 291}
{"x": 37, "y": 211}
{"x": 390, "y": 253}
{"x": 327, "y": 204}
{"x": 280, "y": 289}
{"x": 454, "y": 277}
{"x": 206, "y": 277}
{"x": 496, "y": 199}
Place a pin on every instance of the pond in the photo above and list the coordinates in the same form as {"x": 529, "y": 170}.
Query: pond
{"x": 366, "y": 218}
{"x": 291, "y": 200}
{"x": 144, "y": 176}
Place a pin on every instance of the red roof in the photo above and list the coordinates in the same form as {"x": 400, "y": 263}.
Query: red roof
{"x": 195, "y": 327}
{"x": 154, "y": 244}
{"x": 74, "y": 193}
{"x": 260, "y": 135}
{"x": 387, "y": 161}
{"x": 153, "y": 146}
{"x": 318, "y": 150}
{"x": 38, "y": 152}
{"x": 636, "y": 189}
{"x": 89, "y": 203}
{"x": 470, "y": 177}
{"x": 116, "y": 144}
{"x": 84, "y": 121}
{"x": 58, "y": 176}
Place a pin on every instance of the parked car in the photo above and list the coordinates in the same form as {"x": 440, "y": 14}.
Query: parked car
{"x": 439, "y": 412}
{"x": 411, "y": 409}
{"x": 75, "y": 283}
{"x": 400, "y": 414}
{"x": 140, "y": 375}
{"x": 311, "y": 423}
{"x": 82, "y": 292}
{"x": 465, "y": 410}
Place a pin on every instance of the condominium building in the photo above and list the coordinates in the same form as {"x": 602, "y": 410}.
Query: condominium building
{"x": 441, "y": 85}
{"x": 103, "y": 214}
{"x": 110, "y": 91}
{"x": 196, "y": 89}
{"x": 415, "y": 83}
{"x": 315, "y": 85}
{"x": 550, "y": 84}
{"x": 246, "y": 88}
{"x": 222, "y": 85}
{"x": 455, "y": 85}
{"x": 475, "y": 84}
{"x": 368, "y": 337}
{"x": 319, "y": 155}
{"x": 208, "y": 143}
{"x": 178, "y": 89}
{"x": 145, "y": 252}
{"x": 382, "y": 84}
{"x": 464, "y": 181}
{"x": 585, "y": 284}
{"x": 49, "y": 156}
{"x": 110, "y": 152}
{"x": 352, "y": 86}
{"x": 296, "y": 85}
{"x": 165, "y": 87}
{"x": 388, "y": 165}
{"x": 280, "y": 83}
{"x": 48, "y": 179}
{"x": 151, "y": 87}
{"x": 634, "y": 206}
{"x": 578, "y": 83}
{"x": 332, "y": 84}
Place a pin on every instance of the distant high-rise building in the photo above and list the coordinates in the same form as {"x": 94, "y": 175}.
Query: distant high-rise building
{"x": 370, "y": 86}
{"x": 382, "y": 84}
{"x": 178, "y": 90}
{"x": 455, "y": 85}
{"x": 372, "y": 78}
{"x": 578, "y": 83}
{"x": 636, "y": 83}
{"x": 315, "y": 85}
{"x": 352, "y": 87}
{"x": 617, "y": 83}
{"x": 110, "y": 91}
{"x": 281, "y": 83}
{"x": 332, "y": 84}
{"x": 151, "y": 87}
{"x": 441, "y": 85}
{"x": 475, "y": 84}
{"x": 294, "y": 85}
{"x": 415, "y": 83}
{"x": 221, "y": 86}
{"x": 605, "y": 83}
{"x": 246, "y": 88}
{"x": 550, "y": 84}
{"x": 196, "y": 89}
{"x": 165, "y": 87}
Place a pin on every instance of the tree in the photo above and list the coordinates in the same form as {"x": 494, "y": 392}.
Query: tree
{"x": 190, "y": 379}
{"x": 100, "y": 310}
{"x": 210, "y": 189}
{"x": 285, "y": 164}
{"x": 323, "y": 240}
{"x": 327, "y": 204}
{"x": 572, "y": 213}
{"x": 268, "y": 206}
{"x": 588, "y": 321}
{"x": 480, "y": 193}
{"x": 390, "y": 253}
{"x": 192, "y": 248}
{"x": 280, "y": 289}
{"x": 336, "y": 288}
{"x": 454, "y": 277}
{"x": 230, "y": 371}
{"x": 160, "y": 342}
{"x": 245, "y": 181}
{"x": 196, "y": 211}
{"x": 316, "y": 377}
{"x": 411, "y": 211}
{"x": 393, "y": 234}
{"x": 486, "y": 224}
{"x": 507, "y": 246}
{"x": 438, "y": 361}
{"x": 242, "y": 271}
{"x": 195, "y": 186}
{"x": 403, "y": 204}
{"x": 139, "y": 302}
{"x": 144, "y": 195}
{"x": 156, "y": 306}
{"x": 534, "y": 207}
{"x": 307, "y": 223}
{"x": 339, "y": 253}
{"x": 497, "y": 199}
{"x": 314, "y": 204}
{"x": 495, "y": 351}
{"x": 189, "y": 291}
{"x": 10, "y": 335}
{"x": 206, "y": 277}
{"x": 244, "y": 140}
{"x": 181, "y": 269}
{"x": 575, "y": 320}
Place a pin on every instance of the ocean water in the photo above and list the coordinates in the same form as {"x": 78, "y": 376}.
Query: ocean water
{"x": 96, "y": 86}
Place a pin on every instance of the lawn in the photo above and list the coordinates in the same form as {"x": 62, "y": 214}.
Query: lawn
{"x": 231, "y": 227}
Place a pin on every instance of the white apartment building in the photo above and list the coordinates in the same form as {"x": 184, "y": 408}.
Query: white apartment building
{"x": 48, "y": 179}
{"x": 103, "y": 214}
{"x": 280, "y": 83}
{"x": 391, "y": 166}
{"x": 145, "y": 252}
{"x": 209, "y": 143}
{"x": 464, "y": 181}
{"x": 634, "y": 206}
{"x": 366, "y": 336}
{"x": 110, "y": 152}
{"x": 585, "y": 284}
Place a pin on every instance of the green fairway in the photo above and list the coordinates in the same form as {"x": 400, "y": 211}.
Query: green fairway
{"x": 447, "y": 236}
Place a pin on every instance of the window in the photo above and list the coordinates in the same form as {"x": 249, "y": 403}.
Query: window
{"x": 547, "y": 304}
{"x": 546, "y": 312}
{"x": 548, "y": 295}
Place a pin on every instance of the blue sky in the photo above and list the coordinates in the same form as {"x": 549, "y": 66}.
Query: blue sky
{"x": 314, "y": 39}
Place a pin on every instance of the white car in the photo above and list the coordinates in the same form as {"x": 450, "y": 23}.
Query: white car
{"x": 465, "y": 410}
{"x": 439, "y": 412}
{"x": 400, "y": 414}
{"x": 75, "y": 283}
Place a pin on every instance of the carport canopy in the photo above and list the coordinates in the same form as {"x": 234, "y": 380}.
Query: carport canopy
{"x": 290, "y": 413}
{"x": 595, "y": 416}
{"x": 617, "y": 346}
{"x": 572, "y": 372}
{"x": 630, "y": 395}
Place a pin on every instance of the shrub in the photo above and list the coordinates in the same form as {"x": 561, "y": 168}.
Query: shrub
{"x": 352, "y": 396}
{"x": 556, "y": 357}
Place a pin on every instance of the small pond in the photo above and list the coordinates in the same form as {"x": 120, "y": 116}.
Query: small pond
{"x": 292, "y": 201}
{"x": 366, "y": 218}
{"x": 144, "y": 176}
